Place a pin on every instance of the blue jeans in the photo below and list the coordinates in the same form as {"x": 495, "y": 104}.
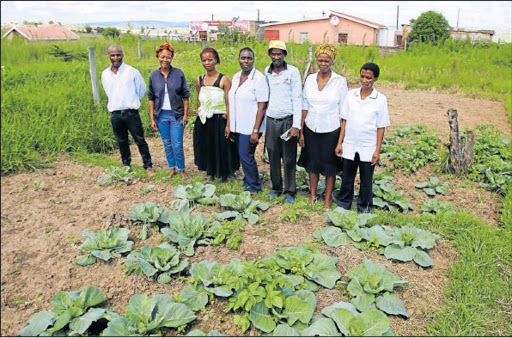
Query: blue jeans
{"x": 171, "y": 131}
{"x": 250, "y": 167}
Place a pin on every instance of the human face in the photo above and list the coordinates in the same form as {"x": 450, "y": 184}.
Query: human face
{"x": 324, "y": 63}
{"x": 116, "y": 57}
{"x": 165, "y": 59}
{"x": 367, "y": 79}
{"x": 208, "y": 60}
{"x": 246, "y": 61}
{"x": 277, "y": 57}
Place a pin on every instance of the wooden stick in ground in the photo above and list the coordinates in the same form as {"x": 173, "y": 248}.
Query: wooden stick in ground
{"x": 461, "y": 155}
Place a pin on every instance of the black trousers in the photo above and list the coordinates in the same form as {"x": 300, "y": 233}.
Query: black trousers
{"x": 129, "y": 120}
{"x": 279, "y": 149}
{"x": 365, "y": 199}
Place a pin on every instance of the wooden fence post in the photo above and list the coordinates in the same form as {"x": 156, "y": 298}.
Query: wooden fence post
{"x": 138, "y": 49}
{"x": 461, "y": 153}
{"x": 94, "y": 76}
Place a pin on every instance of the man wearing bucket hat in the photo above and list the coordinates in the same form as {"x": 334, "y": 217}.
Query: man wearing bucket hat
{"x": 283, "y": 120}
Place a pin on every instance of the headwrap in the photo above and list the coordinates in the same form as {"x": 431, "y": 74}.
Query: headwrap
{"x": 165, "y": 46}
{"x": 328, "y": 49}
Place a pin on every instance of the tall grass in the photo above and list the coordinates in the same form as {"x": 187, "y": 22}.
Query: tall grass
{"x": 477, "y": 297}
{"x": 49, "y": 114}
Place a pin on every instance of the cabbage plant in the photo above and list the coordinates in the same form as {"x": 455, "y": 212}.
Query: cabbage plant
{"x": 185, "y": 229}
{"x": 149, "y": 316}
{"x": 301, "y": 261}
{"x": 73, "y": 314}
{"x": 371, "y": 285}
{"x": 115, "y": 174}
{"x": 434, "y": 206}
{"x": 197, "y": 193}
{"x": 409, "y": 244}
{"x": 241, "y": 207}
{"x": 160, "y": 262}
{"x": 432, "y": 187}
{"x": 147, "y": 214}
{"x": 104, "y": 244}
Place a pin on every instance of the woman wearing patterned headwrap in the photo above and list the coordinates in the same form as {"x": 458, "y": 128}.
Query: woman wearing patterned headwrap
{"x": 322, "y": 99}
{"x": 168, "y": 107}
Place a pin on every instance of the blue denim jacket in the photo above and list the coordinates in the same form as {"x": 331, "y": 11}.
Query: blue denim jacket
{"x": 176, "y": 87}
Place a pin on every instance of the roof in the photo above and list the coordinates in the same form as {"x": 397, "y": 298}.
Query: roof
{"x": 331, "y": 13}
{"x": 44, "y": 32}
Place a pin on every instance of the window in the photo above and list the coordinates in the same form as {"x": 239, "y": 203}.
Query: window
{"x": 304, "y": 37}
{"x": 343, "y": 38}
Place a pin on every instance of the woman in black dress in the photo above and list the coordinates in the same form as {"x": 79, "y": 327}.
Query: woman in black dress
{"x": 214, "y": 151}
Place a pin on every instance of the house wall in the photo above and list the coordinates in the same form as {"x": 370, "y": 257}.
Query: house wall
{"x": 322, "y": 31}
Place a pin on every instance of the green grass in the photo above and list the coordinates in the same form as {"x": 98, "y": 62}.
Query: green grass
{"x": 477, "y": 298}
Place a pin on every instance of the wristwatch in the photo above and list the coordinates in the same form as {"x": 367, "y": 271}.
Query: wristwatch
{"x": 255, "y": 130}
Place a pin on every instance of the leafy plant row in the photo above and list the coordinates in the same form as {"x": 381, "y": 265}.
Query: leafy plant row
{"x": 411, "y": 148}
{"x": 402, "y": 244}
{"x": 79, "y": 314}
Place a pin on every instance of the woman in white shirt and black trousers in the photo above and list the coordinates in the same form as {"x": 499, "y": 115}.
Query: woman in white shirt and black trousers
{"x": 364, "y": 117}
{"x": 322, "y": 99}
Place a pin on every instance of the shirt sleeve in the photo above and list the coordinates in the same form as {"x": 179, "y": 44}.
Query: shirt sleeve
{"x": 104, "y": 83}
{"x": 343, "y": 96}
{"x": 305, "y": 103}
{"x": 383, "y": 115}
{"x": 261, "y": 89}
{"x": 296, "y": 98}
{"x": 184, "y": 86}
{"x": 344, "y": 110}
{"x": 140, "y": 85}
{"x": 151, "y": 93}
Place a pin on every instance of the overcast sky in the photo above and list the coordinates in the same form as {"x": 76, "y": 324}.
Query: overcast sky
{"x": 473, "y": 14}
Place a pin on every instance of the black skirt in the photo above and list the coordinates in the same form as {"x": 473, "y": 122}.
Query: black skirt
{"x": 213, "y": 152}
{"x": 318, "y": 155}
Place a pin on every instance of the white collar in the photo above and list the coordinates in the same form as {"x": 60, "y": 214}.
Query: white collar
{"x": 373, "y": 94}
{"x": 121, "y": 67}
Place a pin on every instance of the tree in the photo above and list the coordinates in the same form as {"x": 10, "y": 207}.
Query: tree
{"x": 88, "y": 29}
{"x": 111, "y": 32}
{"x": 50, "y": 22}
{"x": 429, "y": 27}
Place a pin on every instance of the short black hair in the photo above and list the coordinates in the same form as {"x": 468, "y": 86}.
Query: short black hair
{"x": 245, "y": 49}
{"x": 282, "y": 50}
{"x": 210, "y": 50}
{"x": 371, "y": 66}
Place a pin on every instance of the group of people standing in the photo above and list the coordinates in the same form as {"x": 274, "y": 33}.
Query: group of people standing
{"x": 326, "y": 119}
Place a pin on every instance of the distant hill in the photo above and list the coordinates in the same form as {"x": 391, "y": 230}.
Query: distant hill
{"x": 139, "y": 23}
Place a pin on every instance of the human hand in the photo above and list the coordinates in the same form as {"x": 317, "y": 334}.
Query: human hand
{"x": 254, "y": 138}
{"x": 185, "y": 120}
{"x": 294, "y": 132}
{"x": 339, "y": 150}
{"x": 301, "y": 140}
{"x": 227, "y": 131}
{"x": 224, "y": 116}
{"x": 153, "y": 125}
{"x": 375, "y": 157}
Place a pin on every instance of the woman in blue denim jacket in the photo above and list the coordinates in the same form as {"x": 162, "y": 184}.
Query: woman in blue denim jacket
{"x": 168, "y": 107}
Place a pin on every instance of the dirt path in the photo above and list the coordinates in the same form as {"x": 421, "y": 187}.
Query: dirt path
{"x": 40, "y": 229}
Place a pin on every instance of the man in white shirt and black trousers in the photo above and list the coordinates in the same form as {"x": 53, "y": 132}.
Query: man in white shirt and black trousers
{"x": 125, "y": 87}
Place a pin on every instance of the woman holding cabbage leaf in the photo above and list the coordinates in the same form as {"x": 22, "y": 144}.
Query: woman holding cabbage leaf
{"x": 214, "y": 150}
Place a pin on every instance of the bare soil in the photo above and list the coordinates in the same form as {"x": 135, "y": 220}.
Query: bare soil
{"x": 40, "y": 229}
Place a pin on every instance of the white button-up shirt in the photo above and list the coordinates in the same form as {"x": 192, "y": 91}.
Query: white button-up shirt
{"x": 324, "y": 106}
{"x": 124, "y": 89}
{"x": 243, "y": 101}
{"x": 363, "y": 118}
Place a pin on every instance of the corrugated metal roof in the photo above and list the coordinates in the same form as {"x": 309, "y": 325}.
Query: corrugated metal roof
{"x": 44, "y": 32}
